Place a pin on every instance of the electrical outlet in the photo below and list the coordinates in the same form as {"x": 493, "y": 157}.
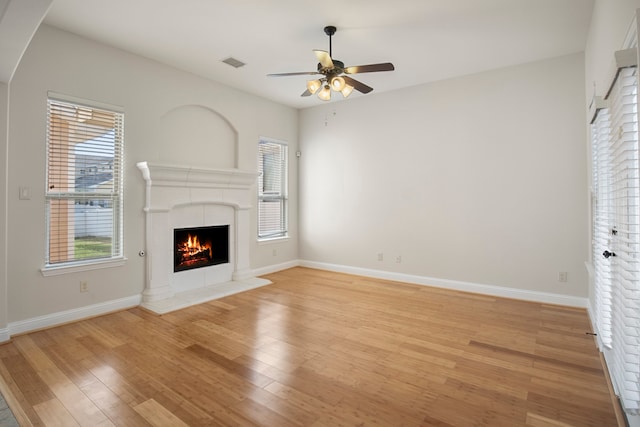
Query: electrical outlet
{"x": 380, "y": 256}
{"x": 25, "y": 193}
{"x": 562, "y": 276}
{"x": 84, "y": 286}
{"x": 399, "y": 259}
{"x": 274, "y": 252}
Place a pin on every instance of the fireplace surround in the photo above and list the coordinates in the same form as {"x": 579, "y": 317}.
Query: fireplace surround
{"x": 188, "y": 197}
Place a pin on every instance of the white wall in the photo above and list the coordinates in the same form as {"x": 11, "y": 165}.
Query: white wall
{"x": 478, "y": 179}
{"x": 4, "y": 103}
{"x": 64, "y": 63}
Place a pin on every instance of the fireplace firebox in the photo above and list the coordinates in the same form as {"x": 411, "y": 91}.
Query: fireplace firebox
{"x": 200, "y": 247}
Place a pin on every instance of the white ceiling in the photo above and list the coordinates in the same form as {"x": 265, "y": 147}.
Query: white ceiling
{"x": 426, "y": 40}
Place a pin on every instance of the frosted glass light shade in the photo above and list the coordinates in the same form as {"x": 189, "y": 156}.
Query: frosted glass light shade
{"x": 346, "y": 91}
{"x": 325, "y": 93}
{"x": 313, "y": 85}
{"x": 337, "y": 83}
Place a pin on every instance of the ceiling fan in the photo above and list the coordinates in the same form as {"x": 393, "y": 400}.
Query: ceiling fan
{"x": 333, "y": 74}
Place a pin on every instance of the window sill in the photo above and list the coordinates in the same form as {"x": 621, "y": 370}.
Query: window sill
{"x": 273, "y": 240}
{"x": 81, "y": 266}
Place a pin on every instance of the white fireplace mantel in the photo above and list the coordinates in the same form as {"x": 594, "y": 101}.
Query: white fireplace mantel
{"x": 172, "y": 187}
{"x": 237, "y": 183}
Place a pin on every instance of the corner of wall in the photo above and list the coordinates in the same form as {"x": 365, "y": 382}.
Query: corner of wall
{"x": 4, "y": 144}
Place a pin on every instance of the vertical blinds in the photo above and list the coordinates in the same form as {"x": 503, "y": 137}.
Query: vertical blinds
{"x": 272, "y": 189}
{"x": 625, "y": 237}
{"x": 84, "y": 183}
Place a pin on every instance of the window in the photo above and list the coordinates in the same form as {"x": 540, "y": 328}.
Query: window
{"x": 616, "y": 233}
{"x": 84, "y": 193}
{"x": 272, "y": 189}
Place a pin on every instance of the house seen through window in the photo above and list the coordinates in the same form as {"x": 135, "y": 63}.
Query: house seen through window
{"x": 84, "y": 193}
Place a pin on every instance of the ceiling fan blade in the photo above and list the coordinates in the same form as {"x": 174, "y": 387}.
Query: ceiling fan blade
{"x": 306, "y": 93}
{"x": 359, "y": 86}
{"x": 371, "y": 68}
{"x": 300, "y": 73}
{"x": 323, "y": 58}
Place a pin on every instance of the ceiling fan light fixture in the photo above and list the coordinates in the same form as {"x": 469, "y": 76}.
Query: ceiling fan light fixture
{"x": 325, "y": 93}
{"x": 337, "y": 83}
{"x": 314, "y": 85}
{"x": 346, "y": 90}
{"x": 331, "y": 71}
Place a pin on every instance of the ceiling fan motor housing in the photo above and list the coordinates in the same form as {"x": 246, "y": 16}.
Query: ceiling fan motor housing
{"x": 338, "y": 67}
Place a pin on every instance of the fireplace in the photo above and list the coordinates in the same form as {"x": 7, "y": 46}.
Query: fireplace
{"x": 188, "y": 197}
{"x": 200, "y": 247}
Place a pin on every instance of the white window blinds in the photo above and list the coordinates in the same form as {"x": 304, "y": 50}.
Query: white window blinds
{"x": 272, "y": 189}
{"x": 616, "y": 235}
{"x": 84, "y": 193}
{"x": 602, "y": 222}
{"x": 625, "y": 237}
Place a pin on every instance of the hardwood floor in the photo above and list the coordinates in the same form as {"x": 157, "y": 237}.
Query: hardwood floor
{"x": 317, "y": 349}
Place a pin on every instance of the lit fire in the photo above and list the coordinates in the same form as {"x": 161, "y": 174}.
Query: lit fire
{"x": 192, "y": 249}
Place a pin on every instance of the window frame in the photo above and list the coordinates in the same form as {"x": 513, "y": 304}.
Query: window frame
{"x": 115, "y": 195}
{"x": 280, "y": 195}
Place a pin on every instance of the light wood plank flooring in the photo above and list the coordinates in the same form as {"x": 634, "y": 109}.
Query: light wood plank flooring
{"x": 317, "y": 349}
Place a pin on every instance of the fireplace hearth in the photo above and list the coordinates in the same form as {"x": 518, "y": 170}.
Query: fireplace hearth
{"x": 199, "y": 247}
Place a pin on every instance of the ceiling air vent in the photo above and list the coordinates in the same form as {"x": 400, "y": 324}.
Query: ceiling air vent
{"x": 233, "y": 62}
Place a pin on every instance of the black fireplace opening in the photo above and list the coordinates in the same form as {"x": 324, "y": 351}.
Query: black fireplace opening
{"x": 200, "y": 247}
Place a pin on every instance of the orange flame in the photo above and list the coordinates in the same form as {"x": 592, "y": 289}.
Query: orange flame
{"x": 193, "y": 246}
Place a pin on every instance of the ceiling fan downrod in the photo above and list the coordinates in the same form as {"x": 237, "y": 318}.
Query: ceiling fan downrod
{"x": 330, "y": 30}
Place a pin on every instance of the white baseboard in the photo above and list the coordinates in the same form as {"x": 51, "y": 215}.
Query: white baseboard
{"x": 4, "y": 335}
{"x": 275, "y": 268}
{"x": 67, "y": 316}
{"x": 498, "y": 291}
